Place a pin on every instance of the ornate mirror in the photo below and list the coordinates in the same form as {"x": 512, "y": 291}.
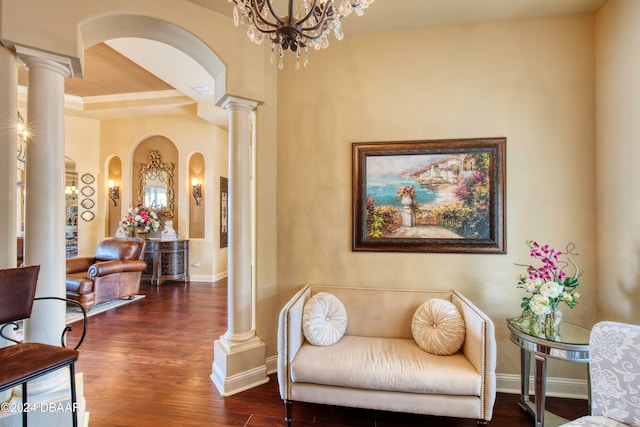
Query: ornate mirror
{"x": 155, "y": 186}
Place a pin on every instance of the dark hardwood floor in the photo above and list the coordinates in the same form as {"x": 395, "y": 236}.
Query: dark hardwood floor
{"x": 148, "y": 363}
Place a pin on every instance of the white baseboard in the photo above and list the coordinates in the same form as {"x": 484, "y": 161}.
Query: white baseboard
{"x": 206, "y": 277}
{"x": 219, "y": 276}
{"x": 556, "y": 387}
{"x": 272, "y": 364}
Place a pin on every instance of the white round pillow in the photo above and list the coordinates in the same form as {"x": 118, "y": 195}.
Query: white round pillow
{"x": 324, "y": 319}
{"x": 438, "y": 327}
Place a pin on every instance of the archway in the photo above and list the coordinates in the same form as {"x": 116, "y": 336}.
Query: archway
{"x": 137, "y": 26}
{"x": 239, "y": 355}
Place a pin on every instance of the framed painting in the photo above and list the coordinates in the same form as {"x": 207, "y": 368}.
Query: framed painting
{"x": 429, "y": 196}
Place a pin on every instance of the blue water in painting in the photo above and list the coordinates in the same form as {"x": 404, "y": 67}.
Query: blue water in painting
{"x": 383, "y": 189}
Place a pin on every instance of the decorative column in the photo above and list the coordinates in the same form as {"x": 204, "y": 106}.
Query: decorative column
{"x": 239, "y": 355}
{"x": 44, "y": 201}
{"x": 8, "y": 162}
{"x": 44, "y": 234}
{"x": 8, "y": 168}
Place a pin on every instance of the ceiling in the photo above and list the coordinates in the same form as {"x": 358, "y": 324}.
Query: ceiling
{"x": 140, "y": 77}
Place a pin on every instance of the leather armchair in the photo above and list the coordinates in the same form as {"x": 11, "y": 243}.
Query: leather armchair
{"x": 112, "y": 273}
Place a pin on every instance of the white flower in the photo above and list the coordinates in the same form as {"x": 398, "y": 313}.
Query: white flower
{"x": 539, "y": 304}
{"x": 551, "y": 289}
{"x": 533, "y": 285}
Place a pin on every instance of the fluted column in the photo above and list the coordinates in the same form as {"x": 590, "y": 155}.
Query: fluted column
{"x": 239, "y": 355}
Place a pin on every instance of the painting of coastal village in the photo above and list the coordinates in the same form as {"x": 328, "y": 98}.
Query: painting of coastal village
{"x": 428, "y": 196}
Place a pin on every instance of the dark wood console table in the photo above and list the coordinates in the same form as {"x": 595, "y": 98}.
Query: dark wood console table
{"x": 166, "y": 261}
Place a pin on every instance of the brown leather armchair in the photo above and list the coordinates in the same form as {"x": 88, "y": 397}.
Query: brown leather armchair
{"x": 112, "y": 273}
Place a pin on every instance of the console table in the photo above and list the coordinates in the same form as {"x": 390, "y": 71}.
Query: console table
{"x": 167, "y": 260}
{"x": 572, "y": 345}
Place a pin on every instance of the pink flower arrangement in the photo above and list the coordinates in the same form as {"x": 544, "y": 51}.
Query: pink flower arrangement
{"x": 142, "y": 219}
{"x": 549, "y": 284}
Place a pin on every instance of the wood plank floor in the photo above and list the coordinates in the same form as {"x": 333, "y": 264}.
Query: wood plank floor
{"x": 148, "y": 363}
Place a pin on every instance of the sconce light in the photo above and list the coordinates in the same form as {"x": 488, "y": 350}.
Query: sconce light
{"x": 197, "y": 190}
{"x": 114, "y": 192}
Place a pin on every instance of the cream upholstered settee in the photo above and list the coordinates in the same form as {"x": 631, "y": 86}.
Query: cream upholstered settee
{"x": 378, "y": 365}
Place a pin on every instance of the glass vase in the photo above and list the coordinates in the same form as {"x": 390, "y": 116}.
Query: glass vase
{"x": 551, "y": 324}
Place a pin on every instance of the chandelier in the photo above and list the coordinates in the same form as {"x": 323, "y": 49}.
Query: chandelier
{"x": 296, "y": 25}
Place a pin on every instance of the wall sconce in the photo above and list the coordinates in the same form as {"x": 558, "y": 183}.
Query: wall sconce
{"x": 114, "y": 192}
{"x": 197, "y": 190}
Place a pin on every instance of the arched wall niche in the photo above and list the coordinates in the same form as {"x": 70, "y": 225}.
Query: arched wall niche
{"x": 197, "y": 208}
{"x": 168, "y": 154}
{"x": 114, "y": 210}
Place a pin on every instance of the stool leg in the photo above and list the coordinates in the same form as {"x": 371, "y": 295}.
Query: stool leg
{"x": 24, "y": 405}
{"x": 74, "y": 412}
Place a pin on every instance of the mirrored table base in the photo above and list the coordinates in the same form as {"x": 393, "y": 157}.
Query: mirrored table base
{"x": 572, "y": 346}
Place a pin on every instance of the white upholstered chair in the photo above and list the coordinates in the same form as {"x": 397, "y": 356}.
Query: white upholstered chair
{"x": 614, "y": 369}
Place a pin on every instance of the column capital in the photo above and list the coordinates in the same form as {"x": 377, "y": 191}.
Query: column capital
{"x": 65, "y": 65}
{"x": 234, "y": 103}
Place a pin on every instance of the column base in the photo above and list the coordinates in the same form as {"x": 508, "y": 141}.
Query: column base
{"x": 238, "y": 368}
{"x": 51, "y": 409}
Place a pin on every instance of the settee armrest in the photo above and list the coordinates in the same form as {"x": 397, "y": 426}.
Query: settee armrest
{"x": 480, "y": 349}
{"x": 104, "y": 268}
{"x": 290, "y": 336}
{"x": 79, "y": 265}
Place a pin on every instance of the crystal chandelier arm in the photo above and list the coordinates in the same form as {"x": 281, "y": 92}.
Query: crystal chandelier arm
{"x": 273, "y": 13}
{"x": 308, "y": 15}
{"x": 321, "y": 21}
{"x": 256, "y": 18}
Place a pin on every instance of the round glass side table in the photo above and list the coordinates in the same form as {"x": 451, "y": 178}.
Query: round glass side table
{"x": 572, "y": 345}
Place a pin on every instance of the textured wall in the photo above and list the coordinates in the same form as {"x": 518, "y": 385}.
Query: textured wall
{"x": 530, "y": 81}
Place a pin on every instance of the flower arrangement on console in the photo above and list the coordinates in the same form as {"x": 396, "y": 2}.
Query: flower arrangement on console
{"x": 141, "y": 219}
{"x": 406, "y": 191}
{"x": 548, "y": 285}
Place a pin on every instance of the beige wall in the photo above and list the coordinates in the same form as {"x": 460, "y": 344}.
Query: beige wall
{"x": 81, "y": 135}
{"x": 530, "y": 81}
{"x": 618, "y": 151}
{"x": 216, "y": 167}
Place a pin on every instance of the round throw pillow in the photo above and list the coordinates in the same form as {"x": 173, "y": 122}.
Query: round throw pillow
{"x": 438, "y": 327}
{"x": 324, "y": 319}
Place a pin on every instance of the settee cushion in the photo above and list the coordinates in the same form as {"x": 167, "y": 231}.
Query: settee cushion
{"x": 324, "y": 319}
{"x": 389, "y": 364}
{"x": 438, "y": 327}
